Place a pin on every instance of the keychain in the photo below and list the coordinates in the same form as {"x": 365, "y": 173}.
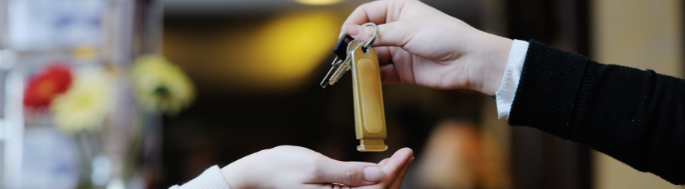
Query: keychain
{"x": 369, "y": 113}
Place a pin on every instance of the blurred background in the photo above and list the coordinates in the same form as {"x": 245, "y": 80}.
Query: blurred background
{"x": 150, "y": 93}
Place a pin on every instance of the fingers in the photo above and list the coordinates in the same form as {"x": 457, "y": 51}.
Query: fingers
{"x": 389, "y": 34}
{"x": 385, "y": 14}
{"x": 329, "y": 186}
{"x": 348, "y": 173}
{"x": 397, "y": 162}
{"x": 383, "y": 162}
{"x": 375, "y": 12}
{"x": 393, "y": 168}
{"x": 389, "y": 74}
{"x": 398, "y": 181}
{"x": 388, "y": 67}
{"x": 397, "y": 167}
{"x": 384, "y": 54}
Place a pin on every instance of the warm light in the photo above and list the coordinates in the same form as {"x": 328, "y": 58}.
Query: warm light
{"x": 288, "y": 48}
{"x": 271, "y": 54}
{"x": 318, "y": 2}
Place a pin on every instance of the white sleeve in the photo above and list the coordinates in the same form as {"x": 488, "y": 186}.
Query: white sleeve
{"x": 510, "y": 81}
{"x": 210, "y": 179}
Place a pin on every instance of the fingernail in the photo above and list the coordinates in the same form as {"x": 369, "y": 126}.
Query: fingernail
{"x": 353, "y": 30}
{"x": 373, "y": 174}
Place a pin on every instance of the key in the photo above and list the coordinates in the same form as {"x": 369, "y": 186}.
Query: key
{"x": 369, "y": 113}
{"x": 334, "y": 71}
{"x": 342, "y": 69}
{"x": 340, "y": 64}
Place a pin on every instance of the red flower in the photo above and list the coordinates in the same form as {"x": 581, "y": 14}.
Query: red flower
{"x": 44, "y": 87}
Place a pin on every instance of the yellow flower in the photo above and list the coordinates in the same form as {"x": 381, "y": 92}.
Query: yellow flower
{"x": 87, "y": 102}
{"x": 161, "y": 86}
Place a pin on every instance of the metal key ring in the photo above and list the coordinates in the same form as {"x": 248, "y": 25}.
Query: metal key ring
{"x": 375, "y": 35}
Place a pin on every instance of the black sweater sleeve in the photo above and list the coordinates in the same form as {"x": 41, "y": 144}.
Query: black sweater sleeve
{"x": 635, "y": 116}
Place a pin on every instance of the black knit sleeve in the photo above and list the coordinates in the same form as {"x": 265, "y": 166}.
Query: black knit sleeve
{"x": 635, "y": 116}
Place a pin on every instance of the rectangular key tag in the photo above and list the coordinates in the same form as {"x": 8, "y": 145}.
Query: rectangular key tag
{"x": 369, "y": 113}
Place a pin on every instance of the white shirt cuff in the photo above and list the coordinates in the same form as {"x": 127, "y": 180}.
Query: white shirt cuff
{"x": 210, "y": 179}
{"x": 510, "y": 81}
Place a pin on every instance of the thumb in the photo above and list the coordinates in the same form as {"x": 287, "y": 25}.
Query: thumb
{"x": 348, "y": 173}
{"x": 389, "y": 34}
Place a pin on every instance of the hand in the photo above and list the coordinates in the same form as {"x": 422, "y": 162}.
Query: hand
{"x": 298, "y": 167}
{"x": 420, "y": 45}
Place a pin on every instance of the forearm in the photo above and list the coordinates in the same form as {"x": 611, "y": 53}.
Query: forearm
{"x": 635, "y": 116}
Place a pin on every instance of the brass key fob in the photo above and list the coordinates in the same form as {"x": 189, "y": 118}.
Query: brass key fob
{"x": 369, "y": 113}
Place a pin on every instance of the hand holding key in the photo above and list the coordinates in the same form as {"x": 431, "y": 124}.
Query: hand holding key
{"x": 420, "y": 45}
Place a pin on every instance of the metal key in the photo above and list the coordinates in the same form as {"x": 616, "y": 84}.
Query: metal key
{"x": 341, "y": 63}
{"x": 340, "y": 67}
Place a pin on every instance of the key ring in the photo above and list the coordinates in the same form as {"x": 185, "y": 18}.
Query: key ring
{"x": 375, "y": 35}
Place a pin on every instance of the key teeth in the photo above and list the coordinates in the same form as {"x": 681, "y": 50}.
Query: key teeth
{"x": 338, "y": 74}
{"x": 333, "y": 74}
{"x": 339, "y": 66}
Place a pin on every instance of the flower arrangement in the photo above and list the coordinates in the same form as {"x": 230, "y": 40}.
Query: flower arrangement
{"x": 77, "y": 102}
{"x": 78, "y": 98}
{"x": 81, "y": 102}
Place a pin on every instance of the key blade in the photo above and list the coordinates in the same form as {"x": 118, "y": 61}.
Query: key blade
{"x": 324, "y": 83}
{"x": 346, "y": 64}
{"x": 335, "y": 65}
{"x": 340, "y": 72}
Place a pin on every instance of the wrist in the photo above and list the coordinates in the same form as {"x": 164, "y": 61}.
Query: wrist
{"x": 492, "y": 56}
